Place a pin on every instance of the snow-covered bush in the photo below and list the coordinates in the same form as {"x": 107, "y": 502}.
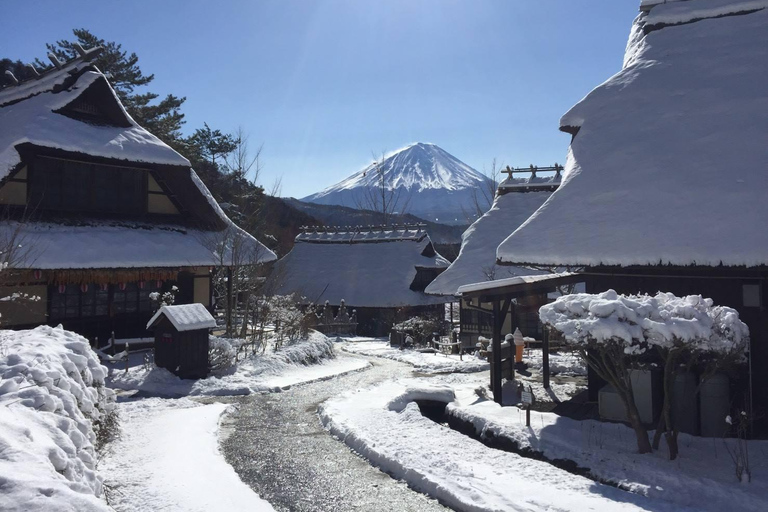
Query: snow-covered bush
{"x": 422, "y": 327}
{"x": 53, "y": 408}
{"x": 287, "y": 318}
{"x": 613, "y": 333}
{"x": 222, "y": 354}
{"x": 163, "y": 299}
{"x": 316, "y": 348}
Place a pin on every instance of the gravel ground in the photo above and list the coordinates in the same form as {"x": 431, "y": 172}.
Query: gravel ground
{"x": 276, "y": 444}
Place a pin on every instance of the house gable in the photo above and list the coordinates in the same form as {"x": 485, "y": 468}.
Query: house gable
{"x": 97, "y": 104}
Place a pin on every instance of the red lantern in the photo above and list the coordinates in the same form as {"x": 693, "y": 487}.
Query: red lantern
{"x": 84, "y": 287}
{"x": 141, "y": 285}
{"x": 121, "y": 286}
{"x": 104, "y": 287}
{"x": 38, "y": 274}
{"x": 62, "y": 288}
{"x": 158, "y": 284}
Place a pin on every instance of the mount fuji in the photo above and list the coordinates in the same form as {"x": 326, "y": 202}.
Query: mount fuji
{"x": 434, "y": 184}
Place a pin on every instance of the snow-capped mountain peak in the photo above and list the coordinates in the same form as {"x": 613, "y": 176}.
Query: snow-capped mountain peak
{"x": 416, "y": 167}
{"x": 438, "y": 186}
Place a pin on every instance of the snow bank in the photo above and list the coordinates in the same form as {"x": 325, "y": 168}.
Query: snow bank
{"x": 422, "y": 362}
{"x": 307, "y": 360}
{"x": 51, "y": 394}
{"x": 168, "y": 458}
{"x": 702, "y": 478}
{"x": 459, "y": 471}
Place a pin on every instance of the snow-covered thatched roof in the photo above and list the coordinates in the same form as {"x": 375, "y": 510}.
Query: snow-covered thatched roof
{"x": 373, "y": 272}
{"x": 37, "y": 113}
{"x": 668, "y": 161}
{"x": 477, "y": 261}
{"x": 28, "y": 114}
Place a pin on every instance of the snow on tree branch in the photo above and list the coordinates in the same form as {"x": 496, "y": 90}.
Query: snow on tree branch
{"x": 643, "y": 321}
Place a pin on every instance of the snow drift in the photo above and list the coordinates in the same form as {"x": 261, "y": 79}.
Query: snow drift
{"x": 52, "y": 395}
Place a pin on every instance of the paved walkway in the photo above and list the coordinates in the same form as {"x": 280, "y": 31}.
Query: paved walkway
{"x": 276, "y": 444}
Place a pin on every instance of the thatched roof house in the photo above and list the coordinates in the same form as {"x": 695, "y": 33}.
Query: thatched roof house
{"x": 100, "y": 212}
{"x": 665, "y": 182}
{"x": 667, "y": 162}
{"x": 515, "y": 201}
{"x": 370, "y": 268}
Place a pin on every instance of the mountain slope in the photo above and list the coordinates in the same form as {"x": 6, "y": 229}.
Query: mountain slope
{"x": 435, "y": 184}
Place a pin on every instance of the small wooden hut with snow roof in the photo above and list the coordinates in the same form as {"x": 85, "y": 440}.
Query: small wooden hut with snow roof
{"x": 665, "y": 183}
{"x": 99, "y": 212}
{"x": 518, "y": 196}
{"x": 181, "y": 339}
{"x": 380, "y": 271}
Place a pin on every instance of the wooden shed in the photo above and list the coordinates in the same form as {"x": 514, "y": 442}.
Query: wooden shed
{"x": 181, "y": 339}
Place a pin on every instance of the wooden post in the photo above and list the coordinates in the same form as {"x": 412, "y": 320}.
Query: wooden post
{"x": 496, "y": 344}
{"x": 229, "y": 301}
{"x": 545, "y": 357}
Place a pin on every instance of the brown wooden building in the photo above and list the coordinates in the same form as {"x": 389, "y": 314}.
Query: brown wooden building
{"x": 99, "y": 213}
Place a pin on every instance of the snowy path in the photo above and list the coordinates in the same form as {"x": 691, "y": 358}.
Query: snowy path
{"x": 168, "y": 456}
{"x": 168, "y": 459}
{"x": 422, "y": 361}
{"x": 278, "y": 446}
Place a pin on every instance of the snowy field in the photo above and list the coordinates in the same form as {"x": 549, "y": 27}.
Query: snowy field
{"x": 168, "y": 458}
{"x": 271, "y": 372}
{"x": 385, "y": 425}
{"x": 422, "y": 362}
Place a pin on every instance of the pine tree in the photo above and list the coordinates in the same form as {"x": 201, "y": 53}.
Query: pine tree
{"x": 163, "y": 118}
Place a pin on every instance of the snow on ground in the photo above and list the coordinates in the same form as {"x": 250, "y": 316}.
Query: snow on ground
{"x": 51, "y": 392}
{"x": 271, "y": 372}
{"x": 565, "y": 363}
{"x": 168, "y": 458}
{"x": 384, "y": 425}
{"x": 423, "y": 362}
{"x": 702, "y": 477}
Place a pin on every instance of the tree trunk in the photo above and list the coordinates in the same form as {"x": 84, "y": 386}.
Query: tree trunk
{"x": 610, "y": 366}
{"x": 641, "y": 433}
{"x": 665, "y": 423}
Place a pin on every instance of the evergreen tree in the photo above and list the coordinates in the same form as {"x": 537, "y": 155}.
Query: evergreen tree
{"x": 163, "y": 118}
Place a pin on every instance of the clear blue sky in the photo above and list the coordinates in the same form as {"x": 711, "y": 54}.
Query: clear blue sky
{"x": 323, "y": 84}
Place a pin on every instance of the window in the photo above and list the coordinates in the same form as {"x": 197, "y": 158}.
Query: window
{"x": 58, "y": 184}
{"x": 77, "y": 301}
{"x": 134, "y": 297}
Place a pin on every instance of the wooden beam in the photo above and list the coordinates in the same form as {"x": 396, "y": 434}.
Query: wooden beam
{"x": 545, "y": 357}
{"x": 496, "y": 343}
